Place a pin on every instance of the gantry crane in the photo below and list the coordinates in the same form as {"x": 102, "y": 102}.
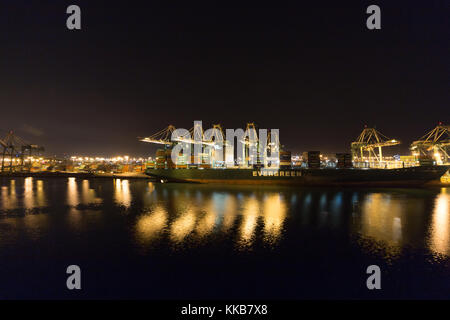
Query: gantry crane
{"x": 369, "y": 141}
{"x": 14, "y": 148}
{"x": 196, "y": 136}
{"x": 249, "y": 143}
{"x": 252, "y": 145}
{"x": 5, "y": 147}
{"x": 164, "y": 137}
{"x": 161, "y": 137}
{"x": 436, "y": 142}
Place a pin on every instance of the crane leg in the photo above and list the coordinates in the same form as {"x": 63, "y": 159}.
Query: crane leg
{"x": 380, "y": 153}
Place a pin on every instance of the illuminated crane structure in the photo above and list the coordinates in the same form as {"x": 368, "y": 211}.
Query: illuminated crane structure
{"x": 161, "y": 137}
{"x": 273, "y": 149}
{"x": 210, "y": 141}
{"x": 249, "y": 144}
{"x": 252, "y": 144}
{"x": 193, "y": 136}
{"x": 435, "y": 143}
{"x": 369, "y": 141}
{"x": 14, "y": 150}
{"x": 12, "y": 146}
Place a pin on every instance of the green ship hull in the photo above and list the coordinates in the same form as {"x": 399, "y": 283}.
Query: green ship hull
{"x": 319, "y": 177}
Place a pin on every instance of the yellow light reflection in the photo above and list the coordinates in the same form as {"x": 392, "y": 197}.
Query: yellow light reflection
{"x": 150, "y": 225}
{"x": 149, "y": 196}
{"x": 8, "y": 196}
{"x": 73, "y": 200}
{"x": 440, "y": 224}
{"x": 249, "y": 222}
{"x": 13, "y": 196}
{"x": 72, "y": 192}
{"x": 122, "y": 192}
{"x": 274, "y": 215}
{"x": 88, "y": 195}
{"x": 382, "y": 220}
{"x": 230, "y": 213}
{"x": 206, "y": 224}
{"x": 5, "y": 198}
{"x": 182, "y": 226}
{"x": 28, "y": 196}
{"x": 40, "y": 195}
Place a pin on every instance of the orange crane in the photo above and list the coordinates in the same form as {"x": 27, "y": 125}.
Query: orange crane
{"x": 369, "y": 141}
{"x": 436, "y": 142}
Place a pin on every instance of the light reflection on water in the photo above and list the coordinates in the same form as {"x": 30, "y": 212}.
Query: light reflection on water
{"x": 249, "y": 219}
{"x": 122, "y": 192}
{"x": 28, "y": 193}
{"x": 274, "y": 216}
{"x": 382, "y": 218}
{"x": 8, "y": 197}
{"x": 72, "y": 192}
{"x": 150, "y": 225}
{"x": 183, "y": 225}
{"x": 439, "y": 229}
{"x": 215, "y": 213}
{"x": 246, "y": 216}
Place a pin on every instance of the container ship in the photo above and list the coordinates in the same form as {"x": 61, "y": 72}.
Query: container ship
{"x": 351, "y": 169}
{"x": 313, "y": 174}
{"x": 308, "y": 177}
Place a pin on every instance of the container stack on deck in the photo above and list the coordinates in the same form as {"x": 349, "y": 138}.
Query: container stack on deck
{"x": 285, "y": 159}
{"x": 426, "y": 161}
{"x": 160, "y": 159}
{"x": 344, "y": 160}
{"x": 313, "y": 159}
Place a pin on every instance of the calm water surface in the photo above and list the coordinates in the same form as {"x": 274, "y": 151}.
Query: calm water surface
{"x": 137, "y": 239}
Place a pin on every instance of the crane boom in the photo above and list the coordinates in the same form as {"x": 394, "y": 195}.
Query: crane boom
{"x": 368, "y": 141}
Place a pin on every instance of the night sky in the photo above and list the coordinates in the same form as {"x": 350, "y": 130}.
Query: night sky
{"x": 312, "y": 70}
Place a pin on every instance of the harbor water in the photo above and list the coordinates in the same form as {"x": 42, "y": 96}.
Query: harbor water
{"x": 136, "y": 239}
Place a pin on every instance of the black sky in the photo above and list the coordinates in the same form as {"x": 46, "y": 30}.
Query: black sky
{"x": 312, "y": 70}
